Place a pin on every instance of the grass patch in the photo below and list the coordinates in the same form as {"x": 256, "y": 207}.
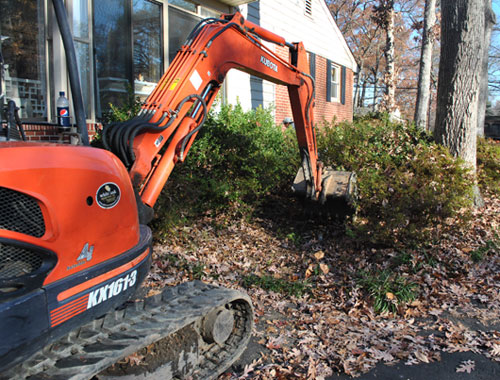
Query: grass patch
{"x": 491, "y": 247}
{"x": 278, "y": 285}
{"x": 413, "y": 262}
{"x": 388, "y": 291}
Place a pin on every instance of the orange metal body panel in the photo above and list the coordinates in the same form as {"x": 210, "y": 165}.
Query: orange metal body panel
{"x": 65, "y": 179}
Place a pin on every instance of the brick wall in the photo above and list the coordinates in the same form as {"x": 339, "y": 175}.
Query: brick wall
{"x": 46, "y": 133}
{"x": 50, "y": 132}
{"x": 324, "y": 110}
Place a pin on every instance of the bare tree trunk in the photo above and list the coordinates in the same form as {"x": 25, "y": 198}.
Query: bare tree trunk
{"x": 361, "y": 102}
{"x": 390, "y": 75}
{"x": 490, "y": 21}
{"x": 375, "y": 71}
{"x": 424, "y": 77}
{"x": 359, "y": 78}
{"x": 430, "y": 126}
{"x": 462, "y": 44}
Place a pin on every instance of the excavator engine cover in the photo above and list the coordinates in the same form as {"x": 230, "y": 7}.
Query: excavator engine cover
{"x": 71, "y": 246}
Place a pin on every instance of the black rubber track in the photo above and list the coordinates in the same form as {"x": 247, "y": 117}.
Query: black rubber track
{"x": 95, "y": 346}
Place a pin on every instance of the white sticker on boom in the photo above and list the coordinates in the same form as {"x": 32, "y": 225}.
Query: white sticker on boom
{"x": 196, "y": 80}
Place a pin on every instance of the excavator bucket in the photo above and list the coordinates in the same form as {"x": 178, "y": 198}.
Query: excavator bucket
{"x": 338, "y": 191}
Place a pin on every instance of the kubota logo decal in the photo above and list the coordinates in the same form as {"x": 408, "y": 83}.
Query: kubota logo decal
{"x": 86, "y": 253}
{"x": 268, "y": 63}
{"x": 111, "y": 290}
{"x": 84, "y": 257}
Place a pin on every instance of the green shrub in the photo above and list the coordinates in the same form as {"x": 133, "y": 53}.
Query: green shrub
{"x": 407, "y": 184}
{"x": 237, "y": 158}
{"x": 126, "y": 111}
{"x": 130, "y": 107}
{"x": 488, "y": 166}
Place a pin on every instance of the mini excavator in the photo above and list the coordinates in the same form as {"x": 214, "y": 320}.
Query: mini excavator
{"x": 74, "y": 241}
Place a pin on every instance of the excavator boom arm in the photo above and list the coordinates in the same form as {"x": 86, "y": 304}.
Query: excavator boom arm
{"x": 164, "y": 130}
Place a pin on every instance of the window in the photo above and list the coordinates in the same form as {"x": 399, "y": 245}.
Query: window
{"x": 180, "y": 24}
{"x": 334, "y": 78}
{"x": 187, "y": 5}
{"x": 81, "y": 37}
{"x": 128, "y": 49}
{"x": 22, "y": 45}
{"x": 148, "y": 46}
{"x": 206, "y": 12}
{"x": 121, "y": 47}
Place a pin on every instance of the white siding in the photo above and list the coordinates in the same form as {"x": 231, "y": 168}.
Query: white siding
{"x": 269, "y": 96}
{"x": 287, "y": 18}
{"x": 319, "y": 33}
{"x": 238, "y": 90}
{"x": 239, "y": 85}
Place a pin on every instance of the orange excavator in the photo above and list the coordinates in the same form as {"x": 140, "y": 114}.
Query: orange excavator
{"x": 74, "y": 241}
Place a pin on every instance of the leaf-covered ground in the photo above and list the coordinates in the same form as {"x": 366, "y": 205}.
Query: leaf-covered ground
{"x": 309, "y": 286}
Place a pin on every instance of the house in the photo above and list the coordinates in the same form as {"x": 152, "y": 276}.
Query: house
{"x": 126, "y": 45}
{"x": 332, "y": 64}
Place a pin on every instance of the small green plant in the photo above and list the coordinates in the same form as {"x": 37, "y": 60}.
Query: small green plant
{"x": 278, "y": 285}
{"x": 490, "y": 247}
{"x": 403, "y": 258}
{"x": 198, "y": 271}
{"x": 295, "y": 238}
{"x": 430, "y": 259}
{"x": 387, "y": 290}
{"x": 124, "y": 111}
{"x": 413, "y": 262}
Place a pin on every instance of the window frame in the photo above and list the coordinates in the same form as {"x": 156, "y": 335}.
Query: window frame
{"x": 335, "y": 83}
{"x": 89, "y": 42}
{"x": 45, "y": 47}
{"x": 56, "y": 72}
